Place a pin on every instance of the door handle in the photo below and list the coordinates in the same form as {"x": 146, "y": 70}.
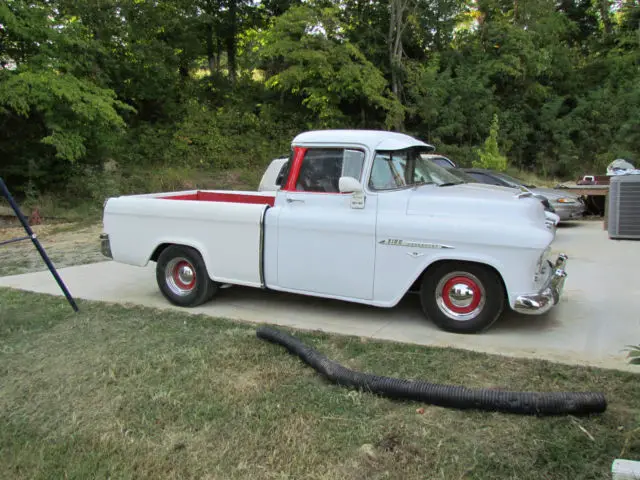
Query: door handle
{"x": 291, "y": 200}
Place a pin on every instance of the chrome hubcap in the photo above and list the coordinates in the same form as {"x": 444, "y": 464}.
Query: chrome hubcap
{"x": 180, "y": 276}
{"x": 460, "y": 296}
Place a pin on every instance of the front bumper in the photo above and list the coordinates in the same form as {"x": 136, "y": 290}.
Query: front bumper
{"x": 549, "y": 295}
{"x": 569, "y": 211}
{"x": 105, "y": 245}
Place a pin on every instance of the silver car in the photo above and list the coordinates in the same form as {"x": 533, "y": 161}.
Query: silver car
{"x": 566, "y": 205}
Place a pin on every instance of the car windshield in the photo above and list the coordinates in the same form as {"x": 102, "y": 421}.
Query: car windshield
{"x": 464, "y": 176}
{"x": 407, "y": 168}
{"x": 513, "y": 181}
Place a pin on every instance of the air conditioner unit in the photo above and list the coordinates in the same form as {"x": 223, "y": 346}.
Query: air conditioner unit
{"x": 624, "y": 207}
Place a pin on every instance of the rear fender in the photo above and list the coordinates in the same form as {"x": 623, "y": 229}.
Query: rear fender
{"x": 167, "y": 241}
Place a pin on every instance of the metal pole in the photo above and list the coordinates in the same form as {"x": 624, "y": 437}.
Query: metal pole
{"x": 36, "y": 242}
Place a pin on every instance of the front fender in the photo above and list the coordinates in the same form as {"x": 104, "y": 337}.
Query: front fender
{"x": 516, "y": 267}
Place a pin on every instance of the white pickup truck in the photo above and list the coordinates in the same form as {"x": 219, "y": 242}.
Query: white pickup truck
{"x": 359, "y": 216}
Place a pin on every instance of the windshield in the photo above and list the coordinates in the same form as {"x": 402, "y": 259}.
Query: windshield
{"x": 511, "y": 180}
{"x": 406, "y": 168}
{"x": 463, "y": 175}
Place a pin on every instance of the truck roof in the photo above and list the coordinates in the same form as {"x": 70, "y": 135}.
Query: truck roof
{"x": 372, "y": 139}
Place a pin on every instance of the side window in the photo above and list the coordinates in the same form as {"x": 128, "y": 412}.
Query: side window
{"x": 388, "y": 171}
{"x": 322, "y": 168}
{"x": 353, "y": 163}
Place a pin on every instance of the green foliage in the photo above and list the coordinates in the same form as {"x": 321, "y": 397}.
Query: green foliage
{"x": 321, "y": 67}
{"x": 70, "y": 107}
{"x": 489, "y": 155}
{"x": 634, "y": 354}
{"x": 225, "y": 138}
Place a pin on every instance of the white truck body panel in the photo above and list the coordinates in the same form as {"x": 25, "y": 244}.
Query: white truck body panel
{"x": 444, "y": 232}
{"x": 341, "y": 239}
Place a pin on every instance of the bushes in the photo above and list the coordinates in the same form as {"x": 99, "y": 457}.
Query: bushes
{"x": 224, "y": 138}
{"x": 489, "y": 155}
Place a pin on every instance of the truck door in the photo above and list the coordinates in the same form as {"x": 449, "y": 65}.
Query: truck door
{"x": 324, "y": 245}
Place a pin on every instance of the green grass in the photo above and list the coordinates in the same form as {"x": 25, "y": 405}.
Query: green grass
{"x": 123, "y": 392}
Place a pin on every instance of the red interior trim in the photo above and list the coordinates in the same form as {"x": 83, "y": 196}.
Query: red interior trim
{"x": 225, "y": 197}
{"x": 294, "y": 171}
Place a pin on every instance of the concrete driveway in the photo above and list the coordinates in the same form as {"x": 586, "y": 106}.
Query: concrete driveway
{"x": 598, "y": 315}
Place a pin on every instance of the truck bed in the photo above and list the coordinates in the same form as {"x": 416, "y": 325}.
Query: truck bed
{"x": 226, "y": 227}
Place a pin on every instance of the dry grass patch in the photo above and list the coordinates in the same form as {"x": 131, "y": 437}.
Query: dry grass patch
{"x": 125, "y": 392}
{"x": 67, "y": 244}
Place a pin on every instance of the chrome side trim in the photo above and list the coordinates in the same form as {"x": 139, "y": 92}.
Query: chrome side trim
{"x": 396, "y": 242}
{"x": 105, "y": 245}
{"x": 262, "y": 230}
{"x": 549, "y": 295}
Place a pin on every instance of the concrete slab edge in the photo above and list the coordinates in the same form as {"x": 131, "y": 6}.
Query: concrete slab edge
{"x": 625, "y": 469}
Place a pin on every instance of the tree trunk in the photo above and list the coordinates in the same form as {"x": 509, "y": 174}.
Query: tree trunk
{"x": 211, "y": 54}
{"x": 231, "y": 41}
{"x": 605, "y": 12}
{"x": 397, "y": 25}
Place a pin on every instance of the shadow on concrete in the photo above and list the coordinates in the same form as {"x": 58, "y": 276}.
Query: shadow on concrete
{"x": 568, "y": 224}
{"x": 408, "y": 308}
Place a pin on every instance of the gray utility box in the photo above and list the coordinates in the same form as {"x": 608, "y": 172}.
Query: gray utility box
{"x": 623, "y": 211}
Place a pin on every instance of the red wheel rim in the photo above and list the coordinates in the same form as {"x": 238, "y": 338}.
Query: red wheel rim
{"x": 180, "y": 278}
{"x": 452, "y": 286}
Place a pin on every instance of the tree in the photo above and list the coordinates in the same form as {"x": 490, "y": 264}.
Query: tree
{"x": 45, "y": 97}
{"x": 489, "y": 155}
{"x": 314, "y": 62}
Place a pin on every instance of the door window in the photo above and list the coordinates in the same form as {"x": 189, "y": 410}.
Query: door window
{"x": 322, "y": 168}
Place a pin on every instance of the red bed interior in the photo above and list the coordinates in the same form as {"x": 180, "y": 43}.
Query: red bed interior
{"x": 225, "y": 197}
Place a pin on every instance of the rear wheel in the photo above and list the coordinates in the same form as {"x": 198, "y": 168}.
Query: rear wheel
{"x": 182, "y": 276}
{"x": 462, "y": 297}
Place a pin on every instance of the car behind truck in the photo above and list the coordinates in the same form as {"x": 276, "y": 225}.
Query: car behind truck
{"x": 360, "y": 216}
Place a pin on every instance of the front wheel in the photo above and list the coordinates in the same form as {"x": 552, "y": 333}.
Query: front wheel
{"x": 462, "y": 297}
{"x": 182, "y": 276}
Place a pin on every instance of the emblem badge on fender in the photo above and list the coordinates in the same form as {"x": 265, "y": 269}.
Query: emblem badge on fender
{"x": 396, "y": 242}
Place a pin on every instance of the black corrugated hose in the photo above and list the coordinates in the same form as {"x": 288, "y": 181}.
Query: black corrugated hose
{"x": 528, "y": 403}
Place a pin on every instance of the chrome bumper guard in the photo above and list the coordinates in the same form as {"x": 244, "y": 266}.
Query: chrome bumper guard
{"x": 549, "y": 295}
{"x": 105, "y": 245}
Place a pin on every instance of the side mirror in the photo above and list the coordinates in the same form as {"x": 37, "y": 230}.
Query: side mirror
{"x": 353, "y": 186}
{"x": 349, "y": 185}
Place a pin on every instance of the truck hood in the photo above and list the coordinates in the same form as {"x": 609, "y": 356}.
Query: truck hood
{"x": 479, "y": 200}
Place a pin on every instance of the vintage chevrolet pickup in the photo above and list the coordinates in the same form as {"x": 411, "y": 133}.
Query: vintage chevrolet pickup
{"x": 361, "y": 216}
